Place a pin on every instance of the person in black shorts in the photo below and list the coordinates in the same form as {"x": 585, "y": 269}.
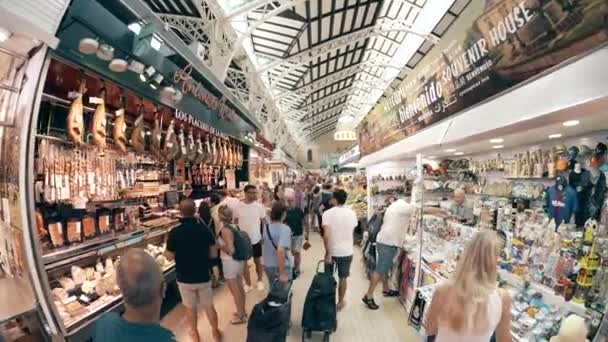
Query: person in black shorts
{"x": 251, "y": 217}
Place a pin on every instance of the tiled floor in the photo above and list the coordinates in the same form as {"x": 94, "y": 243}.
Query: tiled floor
{"x": 355, "y": 322}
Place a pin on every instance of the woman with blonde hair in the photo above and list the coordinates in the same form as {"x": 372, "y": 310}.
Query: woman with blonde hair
{"x": 233, "y": 269}
{"x": 469, "y": 307}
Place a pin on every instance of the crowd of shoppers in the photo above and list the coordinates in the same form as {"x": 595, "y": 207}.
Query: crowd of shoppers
{"x": 205, "y": 247}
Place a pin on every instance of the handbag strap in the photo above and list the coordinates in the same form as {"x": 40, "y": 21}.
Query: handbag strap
{"x": 270, "y": 238}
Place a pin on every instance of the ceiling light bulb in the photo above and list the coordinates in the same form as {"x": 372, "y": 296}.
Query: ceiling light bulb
{"x": 555, "y": 136}
{"x": 450, "y": 150}
{"x": 458, "y": 153}
{"x": 571, "y": 123}
{"x": 4, "y": 34}
{"x": 498, "y": 146}
{"x": 496, "y": 141}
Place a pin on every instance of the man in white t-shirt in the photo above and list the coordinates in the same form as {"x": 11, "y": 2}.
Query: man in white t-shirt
{"x": 391, "y": 238}
{"x": 250, "y": 216}
{"x": 339, "y": 224}
{"x": 226, "y": 199}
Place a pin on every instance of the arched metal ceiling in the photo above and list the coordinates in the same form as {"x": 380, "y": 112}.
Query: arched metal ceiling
{"x": 300, "y": 65}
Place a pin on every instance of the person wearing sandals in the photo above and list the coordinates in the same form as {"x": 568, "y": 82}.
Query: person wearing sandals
{"x": 233, "y": 269}
{"x": 277, "y": 243}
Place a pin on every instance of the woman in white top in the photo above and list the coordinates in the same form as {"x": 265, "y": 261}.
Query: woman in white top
{"x": 233, "y": 269}
{"x": 469, "y": 307}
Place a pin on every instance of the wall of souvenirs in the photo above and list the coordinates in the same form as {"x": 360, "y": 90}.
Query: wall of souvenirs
{"x": 548, "y": 202}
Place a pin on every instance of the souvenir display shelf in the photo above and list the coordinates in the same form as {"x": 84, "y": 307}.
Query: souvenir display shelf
{"x": 357, "y": 196}
{"x": 383, "y": 187}
{"x": 549, "y": 270}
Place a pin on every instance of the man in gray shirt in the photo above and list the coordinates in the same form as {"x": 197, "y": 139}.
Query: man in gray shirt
{"x": 461, "y": 209}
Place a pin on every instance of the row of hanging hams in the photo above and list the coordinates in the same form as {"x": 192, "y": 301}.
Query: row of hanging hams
{"x": 185, "y": 144}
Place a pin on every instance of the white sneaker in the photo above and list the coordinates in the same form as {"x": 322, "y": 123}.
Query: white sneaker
{"x": 247, "y": 288}
{"x": 261, "y": 286}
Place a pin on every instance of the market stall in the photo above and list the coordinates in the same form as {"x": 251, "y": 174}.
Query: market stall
{"x": 516, "y": 155}
{"x": 25, "y": 39}
{"x": 121, "y": 128}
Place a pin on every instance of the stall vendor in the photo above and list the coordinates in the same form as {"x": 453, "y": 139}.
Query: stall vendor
{"x": 461, "y": 209}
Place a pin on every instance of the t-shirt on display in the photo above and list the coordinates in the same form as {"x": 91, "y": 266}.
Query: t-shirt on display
{"x": 249, "y": 216}
{"x": 340, "y": 223}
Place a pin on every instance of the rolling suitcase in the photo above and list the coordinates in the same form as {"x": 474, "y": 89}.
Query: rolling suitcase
{"x": 270, "y": 318}
{"x": 320, "y": 312}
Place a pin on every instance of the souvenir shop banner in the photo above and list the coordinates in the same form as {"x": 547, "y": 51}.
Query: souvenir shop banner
{"x": 493, "y": 46}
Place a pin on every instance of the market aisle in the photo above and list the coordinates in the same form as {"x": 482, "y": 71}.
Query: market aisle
{"x": 355, "y": 322}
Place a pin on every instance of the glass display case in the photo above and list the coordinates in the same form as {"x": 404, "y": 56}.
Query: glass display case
{"x": 549, "y": 270}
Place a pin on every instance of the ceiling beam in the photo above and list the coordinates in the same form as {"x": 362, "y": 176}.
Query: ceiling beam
{"x": 312, "y": 54}
{"x": 322, "y": 124}
{"x": 268, "y": 9}
{"x": 319, "y": 133}
{"x": 327, "y": 99}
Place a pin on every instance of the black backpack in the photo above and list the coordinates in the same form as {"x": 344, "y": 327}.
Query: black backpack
{"x": 243, "y": 249}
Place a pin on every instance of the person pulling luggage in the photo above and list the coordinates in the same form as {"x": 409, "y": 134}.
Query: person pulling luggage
{"x": 339, "y": 224}
{"x": 276, "y": 249}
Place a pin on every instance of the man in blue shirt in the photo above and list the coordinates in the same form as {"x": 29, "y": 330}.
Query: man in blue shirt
{"x": 276, "y": 246}
{"x": 142, "y": 285}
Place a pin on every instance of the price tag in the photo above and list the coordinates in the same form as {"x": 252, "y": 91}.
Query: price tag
{"x": 95, "y": 100}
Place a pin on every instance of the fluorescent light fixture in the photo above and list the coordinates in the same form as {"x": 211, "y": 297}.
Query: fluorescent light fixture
{"x": 158, "y": 78}
{"x": 155, "y": 43}
{"x": 431, "y": 157}
{"x": 450, "y": 150}
{"x": 458, "y": 153}
{"x": 555, "y": 136}
{"x": 4, "y": 34}
{"x": 147, "y": 74}
{"x": 496, "y": 141}
{"x": 571, "y": 123}
{"x": 498, "y": 146}
{"x": 135, "y": 27}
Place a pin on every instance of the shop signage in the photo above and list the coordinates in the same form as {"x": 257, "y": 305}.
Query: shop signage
{"x": 495, "y": 45}
{"x": 191, "y": 120}
{"x": 189, "y": 86}
{"x": 349, "y": 155}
